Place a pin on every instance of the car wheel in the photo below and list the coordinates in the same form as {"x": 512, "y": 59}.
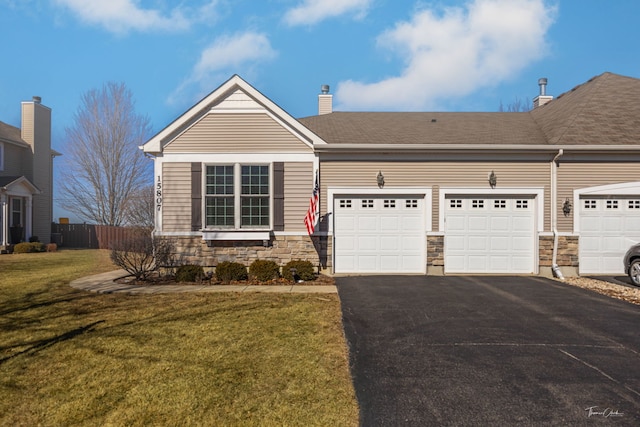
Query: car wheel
{"x": 634, "y": 272}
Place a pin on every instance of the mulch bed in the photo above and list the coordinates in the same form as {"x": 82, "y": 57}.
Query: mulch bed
{"x": 158, "y": 280}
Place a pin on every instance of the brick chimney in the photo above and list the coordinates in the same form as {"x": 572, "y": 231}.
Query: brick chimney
{"x": 325, "y": 101}
{"x": 542, "y": 98}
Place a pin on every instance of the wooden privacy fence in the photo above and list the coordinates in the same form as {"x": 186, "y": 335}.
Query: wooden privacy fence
{"x": 88, "y": 236}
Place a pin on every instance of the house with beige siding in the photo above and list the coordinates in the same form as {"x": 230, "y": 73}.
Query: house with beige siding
{"x": 26, "y": 176}
{"x": 555, "y": 190}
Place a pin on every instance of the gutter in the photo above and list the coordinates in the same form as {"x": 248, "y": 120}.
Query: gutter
{"x": 554, "y": 214}
{"x": 338, "y": 147}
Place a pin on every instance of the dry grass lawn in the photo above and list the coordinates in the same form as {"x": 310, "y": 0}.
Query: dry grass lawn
{"x": 70, "y": 357}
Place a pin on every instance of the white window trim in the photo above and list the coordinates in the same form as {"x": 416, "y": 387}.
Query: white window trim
{"x": 224, "y": 233}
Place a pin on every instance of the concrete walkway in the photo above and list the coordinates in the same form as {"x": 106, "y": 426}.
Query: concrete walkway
{"x": 105, "y": 283}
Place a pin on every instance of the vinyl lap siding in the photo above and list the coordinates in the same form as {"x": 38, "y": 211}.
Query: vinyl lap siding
{"x": 176, "y": 197}
{"x": 42, "y": 203}
{"x": 298, "y": 185}
{"x": 435, "y": 175}
{"x": 237, "y": 133}
{"x": 575, "y": 176}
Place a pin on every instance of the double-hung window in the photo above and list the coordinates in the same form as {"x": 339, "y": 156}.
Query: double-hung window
{"x": 237, "y": 196}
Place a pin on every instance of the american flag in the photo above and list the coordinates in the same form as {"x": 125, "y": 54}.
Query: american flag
{"x": 310, "y": 218}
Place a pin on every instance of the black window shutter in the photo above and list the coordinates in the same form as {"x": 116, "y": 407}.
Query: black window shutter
{"x": 278, "y": 196}
{"x": 196, "y": 196}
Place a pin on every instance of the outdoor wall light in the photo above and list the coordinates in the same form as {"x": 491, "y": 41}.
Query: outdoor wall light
{"x": 566, "y": 207}
{"x": 493, "y": 179}
{"x": 380, "y": 179}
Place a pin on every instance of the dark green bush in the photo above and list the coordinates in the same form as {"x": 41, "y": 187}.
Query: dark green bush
{"x": 264, "y": 270}
{"x": 304, "y": 270}
{"x": 227, "y": 271}
{"x": 33, "y": 239}
{"x": 26, "y": 247}
{"x": 189, "y": 273}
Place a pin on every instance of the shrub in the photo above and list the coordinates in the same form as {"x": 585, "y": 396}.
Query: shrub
{"x": 264, "y": 270}
{"x": 33, "y": 239}
{"x": 304, "y": 270}
{"x": 227, "y": 271}
{"x": 135, "y": 254}
{"x": 28, "y": 247}
{"x": 189, "y": 273}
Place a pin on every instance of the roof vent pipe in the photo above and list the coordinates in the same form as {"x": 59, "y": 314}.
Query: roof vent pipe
{"x": 324, "y": 89}
{"x": 542, "y": 82}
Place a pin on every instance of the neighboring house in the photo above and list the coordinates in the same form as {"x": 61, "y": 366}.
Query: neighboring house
{"x": 26, "y": 176}
{"x": 554, "y": 189}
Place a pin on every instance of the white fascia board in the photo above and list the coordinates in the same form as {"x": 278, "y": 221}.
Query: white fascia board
{"x": 21, "y": 183}
{"x": 621, "y": 189}
{"x": 537, "y": 192}
{"x": 426, "y": 193}
{"x": 154, "y": 145}
{"x": 475, "y": 147}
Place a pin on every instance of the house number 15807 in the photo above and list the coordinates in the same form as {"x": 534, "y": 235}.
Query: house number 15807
{"x": 159, "y": 194}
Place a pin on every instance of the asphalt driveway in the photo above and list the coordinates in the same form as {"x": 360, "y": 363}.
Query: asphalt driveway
{"x": 494, "y": 351}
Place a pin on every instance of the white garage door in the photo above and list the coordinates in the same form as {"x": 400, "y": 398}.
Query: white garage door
{"x": 608, "y": 227}
{"x": 379, "y": 234}
{"x": 489, "y": 235}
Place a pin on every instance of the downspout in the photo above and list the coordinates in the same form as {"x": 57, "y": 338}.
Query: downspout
{"x": 554, "y": 214}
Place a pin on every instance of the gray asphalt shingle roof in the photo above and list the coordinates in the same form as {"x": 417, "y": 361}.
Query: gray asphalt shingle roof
{"x": 11, "y": 133}
{"x": 603, "y": 111}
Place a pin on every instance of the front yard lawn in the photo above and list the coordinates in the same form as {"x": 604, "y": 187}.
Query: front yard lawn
{"x": 70, "y": 357}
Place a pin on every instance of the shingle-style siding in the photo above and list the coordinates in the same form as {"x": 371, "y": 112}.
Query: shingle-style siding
{"x": 237, "y": 133}
{"x": 575, "y": 176}
{"x": 298, "y": 185}
{"x": 434, "y": 175}
{"x": 176, "y": 197}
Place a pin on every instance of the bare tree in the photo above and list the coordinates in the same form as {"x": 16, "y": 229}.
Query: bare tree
{"x": 517, "y": 106}
{"x": 104, "y": 166}
{"x": 140, "y": 207}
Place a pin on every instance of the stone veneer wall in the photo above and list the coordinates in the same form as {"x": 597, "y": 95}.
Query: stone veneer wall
{"x": 567, "y": 251}
{"x": 281, "y": 249}
{"x": 435, "y": 251}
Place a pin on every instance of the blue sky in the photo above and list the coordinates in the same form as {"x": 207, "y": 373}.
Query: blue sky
{"x": 389, "y": 55}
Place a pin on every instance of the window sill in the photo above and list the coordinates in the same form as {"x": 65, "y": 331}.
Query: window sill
{"x": 236, "y": 235}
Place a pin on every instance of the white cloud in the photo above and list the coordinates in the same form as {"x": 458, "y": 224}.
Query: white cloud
{"x": 313, "y": 11}
{"x": 122, "y": 16}
{"x": 454, "y": 54}
{"x": 225, "y": 56}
